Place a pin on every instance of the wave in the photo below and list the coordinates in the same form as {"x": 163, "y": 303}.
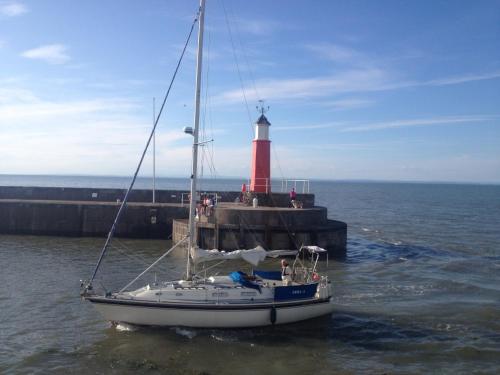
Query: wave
{"x": 124, "y": 327}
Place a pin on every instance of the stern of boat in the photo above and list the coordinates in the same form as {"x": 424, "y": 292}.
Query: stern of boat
{"x": 325, "y": 289}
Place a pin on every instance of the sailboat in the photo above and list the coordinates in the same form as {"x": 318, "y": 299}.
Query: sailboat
{"x": 237, "y": 300}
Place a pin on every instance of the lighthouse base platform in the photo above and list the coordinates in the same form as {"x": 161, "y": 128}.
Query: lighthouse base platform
{"x": 230, "y": 226}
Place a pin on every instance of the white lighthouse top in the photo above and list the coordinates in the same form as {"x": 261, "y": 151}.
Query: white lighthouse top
{"x": 262, "y": 128}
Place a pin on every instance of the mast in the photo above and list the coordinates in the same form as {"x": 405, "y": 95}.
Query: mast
{"x": 154, "y": 153}
{"x": 192, "y": 202}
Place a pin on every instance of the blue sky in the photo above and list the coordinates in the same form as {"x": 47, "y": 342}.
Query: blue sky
{"x": 384, "y": 90}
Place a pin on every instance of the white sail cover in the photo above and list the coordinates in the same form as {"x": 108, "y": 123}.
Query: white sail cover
{"x": 252, "y": 256}
{"x": 314, "y": 249}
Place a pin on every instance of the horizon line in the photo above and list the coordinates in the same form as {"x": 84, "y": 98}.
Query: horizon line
{"x": 359, "y": 180}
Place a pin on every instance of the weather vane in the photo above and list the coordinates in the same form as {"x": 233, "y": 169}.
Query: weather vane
{"x": 261, "y": 107}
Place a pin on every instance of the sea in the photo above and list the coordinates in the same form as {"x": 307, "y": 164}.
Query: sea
{"x": 418, "y": 293}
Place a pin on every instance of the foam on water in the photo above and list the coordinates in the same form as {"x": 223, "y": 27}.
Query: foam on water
{"x": 124, "y": 327}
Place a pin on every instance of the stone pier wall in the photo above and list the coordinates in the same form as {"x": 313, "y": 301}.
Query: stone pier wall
{"x": 87, "y": 218}
{"x": 139, "y": 195}
{"x": 91, "y": 212}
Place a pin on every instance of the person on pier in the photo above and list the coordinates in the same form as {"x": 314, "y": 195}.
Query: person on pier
{"x": 293, "y": 197}
{"x": 243, "y": 191}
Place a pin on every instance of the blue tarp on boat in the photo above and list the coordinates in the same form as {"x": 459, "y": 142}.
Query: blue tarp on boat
{"x": 241, "y": 278}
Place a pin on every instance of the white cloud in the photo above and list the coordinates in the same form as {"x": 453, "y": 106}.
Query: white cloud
{"x": 51, "y": 53}
{"x": 12, "y": 9}
{"x": 345, "y": 104}
{"x": 360, "y": 74}
{"x": 349, "y": 81}
{"x": 334, "y": 52}
{"x": 36, "y": 109}
{"x": 358, "y": 80}
{"x": 343, "y": 146}
{"x": 349, "y": 126}
{"x": 98, "y": 136}
{"x": 461, "y": 79}
{"x": 95, "y": 136}
{"x": 255, "y": 27}
{"x": 14, "y": 95}
{"x": 444, "y": 120}
{"x": 106, "y": 136}
{"x": 310, "y": 126}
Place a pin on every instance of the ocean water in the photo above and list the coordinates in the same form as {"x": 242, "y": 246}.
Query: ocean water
{"x": 419, "y": 292}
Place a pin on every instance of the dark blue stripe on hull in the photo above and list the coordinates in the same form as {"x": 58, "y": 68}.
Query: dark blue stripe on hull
{"x": 290, "y": 292}
{"x": 214, "y": 307}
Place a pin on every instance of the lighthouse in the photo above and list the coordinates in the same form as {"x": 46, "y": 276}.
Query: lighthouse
{"x": 260, "y": 179}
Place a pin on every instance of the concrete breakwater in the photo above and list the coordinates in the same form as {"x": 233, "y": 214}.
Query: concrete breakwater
{"x": 90, "y": 212}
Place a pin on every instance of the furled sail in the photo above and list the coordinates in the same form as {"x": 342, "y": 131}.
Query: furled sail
{"x": 253, "y": 256}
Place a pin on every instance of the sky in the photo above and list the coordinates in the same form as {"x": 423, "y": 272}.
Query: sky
{"x": 370, "y": 90}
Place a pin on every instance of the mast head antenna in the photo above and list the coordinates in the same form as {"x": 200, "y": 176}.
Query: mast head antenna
{"x": 261, "y": 108}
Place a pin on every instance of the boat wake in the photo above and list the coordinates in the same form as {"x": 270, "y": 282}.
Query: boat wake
{"x": 124, "y": 327}
{"x": 189, "y": 333}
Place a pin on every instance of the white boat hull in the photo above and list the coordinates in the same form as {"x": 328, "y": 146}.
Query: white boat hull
{"x": 211, "y": 316}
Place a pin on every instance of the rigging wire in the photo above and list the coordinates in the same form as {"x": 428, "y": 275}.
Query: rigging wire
{"x": 153, "y": 264}
{"x": 237, "y": 67}
{"x": 245, "y": 56}
{"x": 210, "y": 146}
{"x": 125, "y": 199}
{"x": 130, "y": 254}
{"x": 253, "y": 233}
{"x": 143, "y": 262}
{"x": 291, "y": 235}
{"x": 207, "y": 110}
{"x": 275, "y": 154}
{"x": 207, "y": 150}
{"x": 210, "y": 122}
{"x": 252, "y": 77}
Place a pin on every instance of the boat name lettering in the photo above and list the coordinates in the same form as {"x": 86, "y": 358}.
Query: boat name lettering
{"x": 220, "y": 294}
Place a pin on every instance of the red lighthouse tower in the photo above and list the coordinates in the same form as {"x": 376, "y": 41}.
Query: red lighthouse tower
{"x": 261, "y": 157}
